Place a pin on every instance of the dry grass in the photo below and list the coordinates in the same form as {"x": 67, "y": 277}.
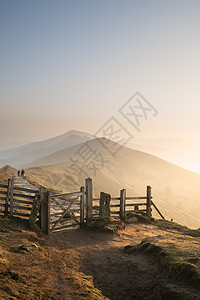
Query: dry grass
{"x": 39, "y": 274}
{"x": 87, "y": 264}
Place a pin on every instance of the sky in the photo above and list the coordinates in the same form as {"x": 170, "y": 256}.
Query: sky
{"x": 73, "y": 64}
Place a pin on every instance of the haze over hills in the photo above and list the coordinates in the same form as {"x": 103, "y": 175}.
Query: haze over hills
{"x": 182, "y": 152}
{"x": 21, "y": 156}
{"x": 130, "y": 169}
{"x": 62, "y": 163}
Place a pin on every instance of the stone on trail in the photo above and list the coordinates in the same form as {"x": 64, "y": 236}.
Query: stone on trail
{"x": 131, "y": 220}
{"x": 29, "y": 247}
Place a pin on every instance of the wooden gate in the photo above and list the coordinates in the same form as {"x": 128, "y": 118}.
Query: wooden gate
{"x": 66, "y": 210}
{"x": 16, "y": 200}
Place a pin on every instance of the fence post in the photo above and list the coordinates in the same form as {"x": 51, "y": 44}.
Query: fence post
{"x": 45, "y": 210}
{"x": 7, "y": 197}
{"x": 11, "y": 196}
{"x": 82, "y": 197}
{"x": 89, "y": 209}
{"x": 122, "y": 203}
{"x": 41, "y": 191}
{"x": 35, "y": 209}
{"x": 48, "y": 212}
{"x": 41, "y": 214}
{"x": 148, "y": 201}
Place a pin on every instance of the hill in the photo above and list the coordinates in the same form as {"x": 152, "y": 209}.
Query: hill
{"x": 182, "y": 152}
{"x": 6, "y": 172}
{"x": 130, "y": 169}
{"x": 21, "y": 156}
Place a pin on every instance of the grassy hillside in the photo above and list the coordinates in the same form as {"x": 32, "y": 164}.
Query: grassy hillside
{"x": 6, "y": 172}
{"x": 21, "y": 156}
{"x": 129, "y": 169}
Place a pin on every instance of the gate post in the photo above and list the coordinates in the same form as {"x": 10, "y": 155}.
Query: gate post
{"x": 11, "y": 196}
{"x": 7, "y": 197}
{"x": 88, "y": 183}
{"x": 122, "y": 204}
{"x": 82, "y": 204}
{"x": 148, "y": 201}
{"x": 45, "y": 210}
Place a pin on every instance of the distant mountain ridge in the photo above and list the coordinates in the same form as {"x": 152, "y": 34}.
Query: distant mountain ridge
{"x": 128, "y": 168}
{"x": 53, "y": 163}
{"x": 21, "y": 156}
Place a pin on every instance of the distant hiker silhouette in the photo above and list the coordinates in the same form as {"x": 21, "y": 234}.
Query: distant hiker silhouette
{"x": 22, "y": 172}
{"x": 18, "y": 172}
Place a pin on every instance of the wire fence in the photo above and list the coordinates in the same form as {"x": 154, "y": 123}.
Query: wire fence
{"x": 172, "y": 212}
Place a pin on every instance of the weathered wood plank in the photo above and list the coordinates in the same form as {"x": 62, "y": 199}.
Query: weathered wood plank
{"x": 58, "y": 204}
{"x": 3, "y": 192}
{"x": 67, "y": 194}
{"x": 136, "y": 211}
{"x": 112, "y": 199}
{"x": 95, "y": 199}
{"x": 122, "y": 203}
{"x": 23, "y": 201}
{"x": 4, "y": 186}
{"x": 48, "y": 212}
{"x": 67, "y": 220}
{"x": 7, "y": 197}
{"x": 148, "y": 209}
{"x": 64, "y": 213}
{"x": 133, "y": 204}
{"x": 64, "y": 200}
{"x": 82, "y": 205}
{"x": 157, "y": 210}
{"x": 11, "y": 196}
{"x": 32, "y": 191}
{"x": 88, "y": 183}
{"x": 23, "y": 196}
{"x": 45, "y": 210}
{"x": 135, "y": 198}
{"x": 115, "y": 212}
{"x": 21, "y": 207}
{"x": 41, "y": 209}
{"x": 21, "y": 214}
{"x": 3, "y": 198}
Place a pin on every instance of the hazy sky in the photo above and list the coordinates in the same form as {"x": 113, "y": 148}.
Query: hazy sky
{"x": 72, "y": 64}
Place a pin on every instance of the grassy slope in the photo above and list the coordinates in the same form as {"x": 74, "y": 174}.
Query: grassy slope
{"x": 6, "y": 173}
{"x": 129, "y": 169}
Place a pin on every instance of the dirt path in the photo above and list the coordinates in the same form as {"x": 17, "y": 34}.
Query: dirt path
{"x": 101, "y": 255}
{"x": 21, "y": 181}
{"x": 69, "y": 259}
{"x": 82, "y": 264}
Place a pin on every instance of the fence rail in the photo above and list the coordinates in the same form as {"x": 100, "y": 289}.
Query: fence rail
{"x": 60, "y": 211}
{"x": 122, "y": 202}
{"x": 16, "y": 201}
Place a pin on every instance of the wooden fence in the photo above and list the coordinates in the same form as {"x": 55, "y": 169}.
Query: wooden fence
{"x": 16, "y": 201}
{"x": 59, "y": 211}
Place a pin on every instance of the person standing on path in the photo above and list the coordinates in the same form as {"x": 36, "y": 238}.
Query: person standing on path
{"x": 18, "y": 173}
